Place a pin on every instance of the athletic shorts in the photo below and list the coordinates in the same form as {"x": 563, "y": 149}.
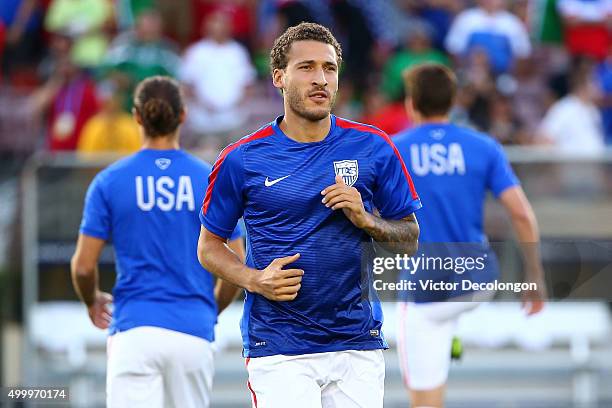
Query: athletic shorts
{"x": 151, "y": 367}
{"x": 424, "y": 338}
{"x": 339, "y": 379}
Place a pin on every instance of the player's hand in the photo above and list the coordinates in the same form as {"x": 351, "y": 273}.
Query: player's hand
{"x": 276, "y": 283}
{"x": 340, "y": 196}
{"x": 99, "y": 311}
{"x": 533, "y": 300}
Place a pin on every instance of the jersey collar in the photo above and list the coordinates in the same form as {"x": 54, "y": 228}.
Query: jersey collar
{"x": 281, "y": 136}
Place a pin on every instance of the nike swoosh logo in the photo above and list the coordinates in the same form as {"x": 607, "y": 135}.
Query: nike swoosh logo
{"x": 270, "y": 183}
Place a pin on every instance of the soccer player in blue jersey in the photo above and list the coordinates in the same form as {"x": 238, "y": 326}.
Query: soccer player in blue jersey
{"x": 165, "y": 303}
{"x": 307, "y": 185}
{"x": 453, "y": 168}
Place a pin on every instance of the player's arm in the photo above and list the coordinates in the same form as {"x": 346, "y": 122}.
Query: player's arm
{"x": 273, "y": 282}
{"x": 525, "y": 227}
{"x": 223, "y": 206}
{"x": 226, "y": 292}
{"x": 398, "y": 236}
{"x": 84, "y": 271}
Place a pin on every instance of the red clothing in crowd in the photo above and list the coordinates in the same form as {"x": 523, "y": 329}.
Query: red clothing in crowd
{"x": 74, "y": 104}
{"x": 392, "y": 118}
{"x": 589, "y": 40}
{"x": 243, "y": 24}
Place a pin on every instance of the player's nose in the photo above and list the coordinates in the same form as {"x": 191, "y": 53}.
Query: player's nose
{"x": 319, "y": 79}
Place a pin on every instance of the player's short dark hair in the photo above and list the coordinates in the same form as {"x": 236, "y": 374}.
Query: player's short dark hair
{"x": 159, "y": 102}
{"x": 432, "y": 88}
{"x": 300, "y": 32}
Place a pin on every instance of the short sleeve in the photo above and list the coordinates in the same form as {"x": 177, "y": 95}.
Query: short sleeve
{"x": 96, "y": 221}
{"x": 501, "y": 176}
{"x": 395, "y": 196}
{"x": 223, "y": 203}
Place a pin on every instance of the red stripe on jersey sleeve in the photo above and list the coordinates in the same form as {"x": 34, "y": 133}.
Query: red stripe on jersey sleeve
{"x": 260, "y": 134}
{"x": 345, "y": 124}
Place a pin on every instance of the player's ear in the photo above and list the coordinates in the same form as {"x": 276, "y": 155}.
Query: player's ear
{"x": 278, "y": 78}
{"x": 136, "y": 116}
{"x": 182, "y": 115}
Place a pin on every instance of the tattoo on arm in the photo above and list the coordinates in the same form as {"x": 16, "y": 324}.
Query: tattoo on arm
{"x": 397, "y": 236}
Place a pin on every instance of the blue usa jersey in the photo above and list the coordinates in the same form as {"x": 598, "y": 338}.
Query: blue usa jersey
{"x": 148, "y": 204}
{"x": 453, "y": 169}
{"x": 275, "y": 183}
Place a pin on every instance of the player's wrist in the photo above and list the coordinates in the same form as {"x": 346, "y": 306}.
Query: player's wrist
{"x": 251, "y": 282}
{"x": 368, "y": 222}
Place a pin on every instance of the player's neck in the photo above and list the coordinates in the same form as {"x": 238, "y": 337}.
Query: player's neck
{"x": 169, "y": 142}
{"x": 303, "y": 130}
{"x": 431, "y": 120}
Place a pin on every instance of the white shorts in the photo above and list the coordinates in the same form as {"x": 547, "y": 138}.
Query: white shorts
{"x": 425, "y": 334}
{"x": 151, "y": 367}
{"x": 339, "y": 379}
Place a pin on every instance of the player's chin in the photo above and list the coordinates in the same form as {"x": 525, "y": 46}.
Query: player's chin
{"x": 317, "y": 113}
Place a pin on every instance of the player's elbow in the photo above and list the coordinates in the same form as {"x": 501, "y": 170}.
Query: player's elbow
{"x": 412, "y": 246}
{"x": 202, "y": 251}
{"x": 206, "y": 249}
{"x": 81, "y": 269}
{"x": 522, "y": 215}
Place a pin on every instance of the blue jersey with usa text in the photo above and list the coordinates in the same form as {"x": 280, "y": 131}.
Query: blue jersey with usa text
{"x": 275, "y": 184}
{"x": 453, "y": 168}
{"x": 148, "y": 203}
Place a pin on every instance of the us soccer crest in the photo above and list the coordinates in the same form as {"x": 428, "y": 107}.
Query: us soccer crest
{"x": 348, "y": 169}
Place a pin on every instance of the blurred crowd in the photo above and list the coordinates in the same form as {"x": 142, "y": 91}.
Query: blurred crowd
{"x": 531, "y": 72}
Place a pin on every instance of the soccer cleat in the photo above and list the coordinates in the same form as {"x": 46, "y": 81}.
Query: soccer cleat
{"x": 456, "y": 349}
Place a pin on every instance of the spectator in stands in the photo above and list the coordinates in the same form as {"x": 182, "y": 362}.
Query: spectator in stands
{"x": 573, "y": 123}
{"x": 586, "y": 29}
{"x": 477, "y": 75}
{"x": 439, "y": 15}
{"x": 217, "y": 72}
{"x": 84, "y": 21}
{"x": 418, "y": 49}
{"x": 240, "y": 12}
{"x": 111, "y": 130}
{"x": 505, "y": 126}
{"x": 391, "y": 117}
{"x": 492, "y": 29}
{"x": 126, "y": 12}
{"x": 144, "y": 52}
{"x": 177, "y": 19}
{"x": 21, "y": 20}
{"x": 69, "y": 100}
{"x": 530, "y": 99}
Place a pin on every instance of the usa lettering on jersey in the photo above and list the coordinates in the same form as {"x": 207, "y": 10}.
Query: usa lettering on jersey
{"x": 161, "y": 192}
{"x": 436, "y": 158}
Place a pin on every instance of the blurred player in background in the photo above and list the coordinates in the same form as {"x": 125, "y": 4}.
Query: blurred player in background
{"x": 307, "y": 185}
{"x": 162, "y": 326}
{"x": 453, "y": 168}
